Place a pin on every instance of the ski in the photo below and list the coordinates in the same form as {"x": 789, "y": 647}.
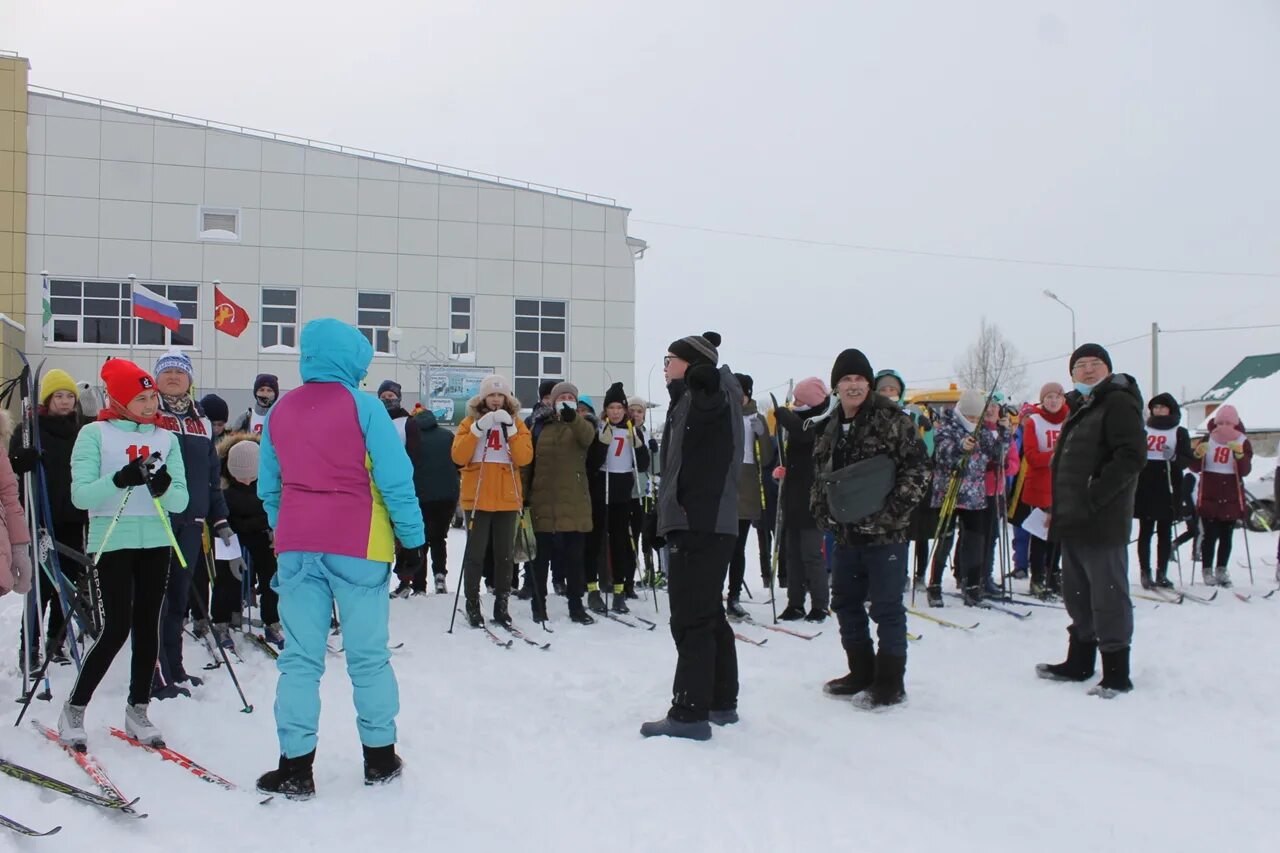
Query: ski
{"x": 9, "y": 823}
{"x": 1027, "y": 601}
{"x": 616, "y": 618}
{"x": 494, "y": 638}
{"x": 1191, "y": 596}
{"x": 260, "y": 642}
{"x": 90, "y": 765}
{"x": 520, "y": 635}
{"x": 1273, "y": 592}
{"x": 648, "y": 622}
{"x": 215, "y": 663}
{"x": 781, "y": 630}
{"x": 744, "y": 638}
{"x": 177, "y": 758}
{"x": 1157, "y": 598}
{"x": 914, "y": 638}
{"x": 987, "y": 605}
{"x": 1242, "y": 596}
{"x": 341, "y": 650}
{"x": 943, "y": 622}
{"x": 25, "y": 774}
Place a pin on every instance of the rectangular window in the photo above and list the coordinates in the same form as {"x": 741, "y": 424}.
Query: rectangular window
{"x": 373, "y": 319}
{"x": 540, "y": 345}
{"x": 461, "y": 328}
{"x": 219, "y": 224}
{"x": 100, "y": 313}
{"x": 279, "y": 319}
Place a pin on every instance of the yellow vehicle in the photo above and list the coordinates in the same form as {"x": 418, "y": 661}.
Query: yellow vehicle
{"x": 937, "y": 399}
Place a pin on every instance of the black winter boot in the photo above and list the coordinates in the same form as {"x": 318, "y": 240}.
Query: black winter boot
{"x": 1080, "y": 663}
{"x": 539, "y": 611}
{"x": 1144, "y": 577}
{"x": 474, "y": 618}
{"x": 1162, "y": 578}
{"x": 887, "y": 689}
{"x": 1115, "y": 675}
{"x": 381, "y": 764}
{"x": 578, "y": 614}
{"x": 500, "y": 614}
{"x": 935, "y": 596}
{"x": 292, "y": 778}
{"x": 792, "y": 614}
{"x": 862, "y": 672}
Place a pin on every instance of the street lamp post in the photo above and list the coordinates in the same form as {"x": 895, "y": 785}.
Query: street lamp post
{"x": 1054, "y": 297}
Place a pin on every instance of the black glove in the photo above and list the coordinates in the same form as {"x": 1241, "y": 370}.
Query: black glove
{"x": 410, "y": 561}
{"x": 132, "y": 474}
{"x": 24, "y": 460}
{"x": 159, "y": 481}
{"x": 568, "y": 413}
{"x": 703, "y": 378}
{"x": 653, "y": 445}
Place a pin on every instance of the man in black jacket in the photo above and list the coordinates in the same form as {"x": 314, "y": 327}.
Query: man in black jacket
{"x": 702, "y": 446}
{"x": 1099, "y": 455}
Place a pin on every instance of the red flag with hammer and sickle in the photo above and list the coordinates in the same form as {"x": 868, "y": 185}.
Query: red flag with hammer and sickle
{"x": 228, "y": 316}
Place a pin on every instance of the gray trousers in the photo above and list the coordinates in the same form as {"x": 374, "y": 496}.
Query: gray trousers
{"x": 806, "y": 570}
{"x": 496, "y": 529}
{"x": 1095, "y": 589}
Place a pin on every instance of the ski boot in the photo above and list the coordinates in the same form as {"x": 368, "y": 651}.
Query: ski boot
{"x": 525, "y": 592}
{"x": 734, "y": 610}
{"x": 579, "y": 615}
{"x": 403, "y": 590}
{"x": 500, "y": 614}
{"x": 381, "y": 765}
{"x": 1223, "y": 577}
{"x": 539, "y": 612}
{"x": 935, "y": 596}
{"x": 1144, "y": 577}
{"x": 222, "y": 636}
{"x": 1209, "y": 578}
{"x": 474, "y": 618}
{"x": 792, "y": 614}
{"x": 292, "y": 778}
{"x": 817, "y": 615}
{"x": 1020, "y": 573}
{"x": 620, "y": 600}
{"x": 972, "y": 596}
{"x": 559, "y": 588}
{"x": 595, "y": 602}
{"x": 200, "y": 628}
{"x": 441, "y": 589}
{"x": 274, "y": 634}
{"x": 71, "y": 727}
{"x": 862, "y": 672}
{"x": 667, "y": 727}
{"x": 138, "y": 727}
{"x": 1162, "y": 578}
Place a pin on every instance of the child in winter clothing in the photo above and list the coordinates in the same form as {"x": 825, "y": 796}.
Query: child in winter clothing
{"x": 1223, "y": 460}
{"x": 1040, "y": 430}
{"x": 494, "y": 445}
{"x": 240, "y": 453}
{"x": 266, "y": 390}
{"x": 332, "y": 465}
{"x": 626, "y": 456}
{"x": 801, "y": 544}
{"x": 998, "y": 421}
{"x": 1156, "y": 503}
{"x": 116, "y": 461}
{"x": 644, "y": 518}
{"x": 15, "y": 538}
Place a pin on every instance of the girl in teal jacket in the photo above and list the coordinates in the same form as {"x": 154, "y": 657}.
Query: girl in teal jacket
{"x": 118, "y": 465}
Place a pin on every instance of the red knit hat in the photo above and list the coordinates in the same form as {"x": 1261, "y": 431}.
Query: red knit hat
{"x": 125, "y": 380}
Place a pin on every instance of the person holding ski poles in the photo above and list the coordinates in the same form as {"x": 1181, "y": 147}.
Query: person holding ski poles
{"x": 998, "y": 421}
{"x": 626, "y": 457}
{"x": 1156, "y": 503}
{"x": 338, "y": 488}
{"x": 1101, "y": 452}
{"x": 493, "y": 444}
{"x": 757, "y": 457}
{"x": 120, "y": 453}
{"x": 1222, "y": 460}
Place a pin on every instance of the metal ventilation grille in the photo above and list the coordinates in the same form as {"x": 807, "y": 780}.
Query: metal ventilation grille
{"x": 218, "y": 222}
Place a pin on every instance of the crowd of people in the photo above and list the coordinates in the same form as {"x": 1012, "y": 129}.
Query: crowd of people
{"x": 170, "y": 513}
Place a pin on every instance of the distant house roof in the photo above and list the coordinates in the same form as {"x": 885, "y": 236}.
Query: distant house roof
{"x": 1258, "y": 403}
{"x": 1251, "y": 367}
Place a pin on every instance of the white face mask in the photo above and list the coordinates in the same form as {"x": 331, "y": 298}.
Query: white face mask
{"x": 1086, "y": 389}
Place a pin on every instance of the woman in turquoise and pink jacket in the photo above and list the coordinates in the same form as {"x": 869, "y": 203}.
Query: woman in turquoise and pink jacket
{"x": 338, "y": 489}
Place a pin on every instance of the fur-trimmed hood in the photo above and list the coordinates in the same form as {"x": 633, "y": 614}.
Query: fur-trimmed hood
{"x": 6, "y": 426}
{"x": 228, "y": 441}
{"x": 475, "y": 407}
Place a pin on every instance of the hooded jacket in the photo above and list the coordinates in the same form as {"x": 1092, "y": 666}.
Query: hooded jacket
{"x": 556, "y": 483}
{"x": 435, "y": 476}
{"x": 334, "y": 474}
{"x": 798, "y": 482}
{"x": 245, "y": 511}
{"x": 1157, "y": 496}
{"x": 702, "y": 450}
{"x": 498, "y": 488}
{"x": 1099, "y": 455}
{"x": 948, "y": 451}
{"x": 919, "y": 417}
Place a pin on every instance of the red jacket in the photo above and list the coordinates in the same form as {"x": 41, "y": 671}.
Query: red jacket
{"x": 1037, "y": 483}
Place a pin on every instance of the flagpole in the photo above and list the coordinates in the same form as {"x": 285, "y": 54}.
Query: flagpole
{"x": 216, "y": 285}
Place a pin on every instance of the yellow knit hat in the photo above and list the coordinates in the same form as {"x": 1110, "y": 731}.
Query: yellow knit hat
{"x": 56, "y": 380}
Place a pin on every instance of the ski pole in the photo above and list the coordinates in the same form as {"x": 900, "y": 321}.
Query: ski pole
{"x": 1244, "y": 520}
{"x": 778, "y": 516}
{"x": 204, "y": 614}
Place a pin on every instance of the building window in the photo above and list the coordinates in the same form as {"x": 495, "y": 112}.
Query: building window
{"x": 461, "y": 327}
{"x": 541, "y": 345}
{"x": 373, "y": 319}
{"x": 100, "y": 313}
{"x": 219, "y": 223}
{"x": 280, "y": 319}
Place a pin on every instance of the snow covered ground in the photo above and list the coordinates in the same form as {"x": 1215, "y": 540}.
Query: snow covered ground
{"x": 526, "y": 750}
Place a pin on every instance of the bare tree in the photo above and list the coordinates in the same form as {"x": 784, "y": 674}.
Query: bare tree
{"x": 992, "y": 360}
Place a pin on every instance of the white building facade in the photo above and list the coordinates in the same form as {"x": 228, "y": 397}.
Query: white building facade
{"x": 432, "y": 265}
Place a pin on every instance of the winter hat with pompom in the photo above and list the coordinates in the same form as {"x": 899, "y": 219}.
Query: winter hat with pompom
{"x": 811, "y": 392}
{"x": 698, "y": 349}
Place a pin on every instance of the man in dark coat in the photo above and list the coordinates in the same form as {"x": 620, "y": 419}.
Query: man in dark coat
{"x": 702, "y": 448}
{"x": 436, "y": 480}
{"x": 1100, "y": 453}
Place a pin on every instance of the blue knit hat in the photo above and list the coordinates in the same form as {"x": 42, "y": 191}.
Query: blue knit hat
{"x": 175, "y": 359}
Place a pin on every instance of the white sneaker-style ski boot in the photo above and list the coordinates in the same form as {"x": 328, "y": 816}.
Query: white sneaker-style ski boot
{"x": 71, "y": 727}
{"x": 138, "y": 727}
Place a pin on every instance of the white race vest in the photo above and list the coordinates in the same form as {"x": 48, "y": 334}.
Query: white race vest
{"x": 256, "y": 422}
{"x": 1046, "y": 433}
{"x": 493, "y": 448}
{"x": 120, "y": 448}
{"x": 621, "y": 456}
{"x": 400, "y": 426}
{"x": 1158, "y": 440}
{"x": 1220, "y": 459}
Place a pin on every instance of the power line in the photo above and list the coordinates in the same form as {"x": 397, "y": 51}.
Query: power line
{"x": 958, "y": 256}
{"x": 1220, "y": 329}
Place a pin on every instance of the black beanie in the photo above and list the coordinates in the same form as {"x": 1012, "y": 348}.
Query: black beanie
{"x": 698, "y": 349}
{"x": 215, "y": 408}
{"x": 545, "y": 386}
{"x": 1090, "y": 351}
{"x": 615, "y": 394}
{"x": 388, "y": 385}
{"x": 851, "y": 362}
{"x": 267, "y": 379}
{"x": 748, "y": 384}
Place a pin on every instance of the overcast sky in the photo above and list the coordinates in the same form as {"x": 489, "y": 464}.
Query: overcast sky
{"x": 1134, "y": 134}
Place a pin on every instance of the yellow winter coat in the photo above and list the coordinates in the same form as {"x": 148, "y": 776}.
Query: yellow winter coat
{"x": 499, "y": 487}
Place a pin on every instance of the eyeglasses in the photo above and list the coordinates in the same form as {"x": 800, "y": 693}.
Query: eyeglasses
{"x": 667, "y": 359}
{"x": 1088, "y": 364}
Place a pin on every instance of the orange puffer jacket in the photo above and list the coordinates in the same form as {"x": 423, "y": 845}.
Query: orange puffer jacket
{"x": 498, "y": 487}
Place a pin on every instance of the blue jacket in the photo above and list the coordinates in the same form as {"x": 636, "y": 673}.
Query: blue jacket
{"x": 200, "y": 459}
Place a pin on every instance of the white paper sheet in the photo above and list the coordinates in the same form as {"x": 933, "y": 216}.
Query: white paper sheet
{"x": 1037, "y": 524}
{"x": 228, "y": 550}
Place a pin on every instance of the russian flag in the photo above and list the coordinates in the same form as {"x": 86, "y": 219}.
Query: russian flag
{"x": 154, "y": 307}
